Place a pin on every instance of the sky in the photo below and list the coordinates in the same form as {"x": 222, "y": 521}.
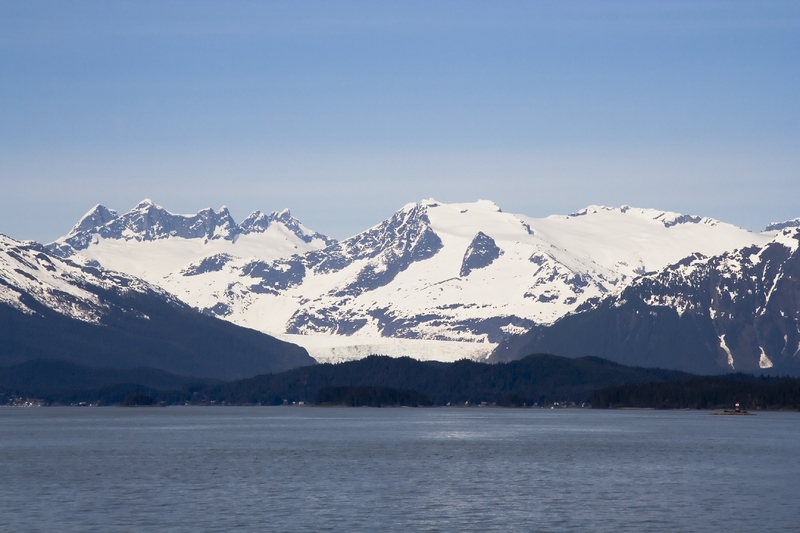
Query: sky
{"x": 345, "y": 111}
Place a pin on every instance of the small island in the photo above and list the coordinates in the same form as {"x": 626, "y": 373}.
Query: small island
{"x": 737, "y": 410}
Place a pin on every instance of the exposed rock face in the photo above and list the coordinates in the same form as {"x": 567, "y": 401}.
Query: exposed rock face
{"x": 53, "y": 308}
{"x": 736, "y": 311}
{"x": 432, "y": 271}
{"x": 482, "y": 252}
{"x": 32, "y": 279}
{"x": 97, "y": 217}
{"x": 385, "y": 251}
{"x": 777, "y": 226}
{"x": 150, "y": 222}
{"x": 258, "y": 222}
{"x": 212, "y": 263}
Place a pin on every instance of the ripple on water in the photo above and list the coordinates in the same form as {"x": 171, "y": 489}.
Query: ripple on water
{"x": 313, "y": 469}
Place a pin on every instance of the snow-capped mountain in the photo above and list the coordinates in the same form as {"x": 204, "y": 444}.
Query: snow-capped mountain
{"x": 150, "y": 242}
{"x": 739, "y": 310}
{"x": 777, "y": 226}
{"x": 54, "y": 308}
{"x": 447, "y": 272}
{"x": 32, "y": 279}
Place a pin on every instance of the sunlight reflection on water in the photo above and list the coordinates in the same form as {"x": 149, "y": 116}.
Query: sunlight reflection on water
{"x": 330, "y": 469}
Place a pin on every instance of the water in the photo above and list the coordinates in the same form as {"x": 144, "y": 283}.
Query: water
{"x": 327, "y": 469}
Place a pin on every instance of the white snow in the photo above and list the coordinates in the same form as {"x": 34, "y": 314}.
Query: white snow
{"x": 727, "y": 350}
{"x": 154, "y": 260}
{"x": 763, "y": 360}
{"x": 340, "y": 348}
{"x": 631, "y": 240}
{"x": 548, "y": 267}
{"x": 52, "y": 282}
{"x": 788, "y": 238}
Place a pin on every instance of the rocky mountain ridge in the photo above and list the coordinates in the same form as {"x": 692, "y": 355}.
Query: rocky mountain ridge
{"x": 430, "y": 272}
{"x": 31, "y": 279}
{"x": 57, "y": 309}
{"x": 463, "y": 272}
{"x": 736, "y": 311}
{"x": 149, "y": 222}
{"x": 150, "y": 242}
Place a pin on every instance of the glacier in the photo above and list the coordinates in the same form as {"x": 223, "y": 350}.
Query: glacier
{"x": 464, "y": 275}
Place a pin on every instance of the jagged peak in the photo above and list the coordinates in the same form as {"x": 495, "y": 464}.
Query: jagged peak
{"x": 777, "y": 226}
{"x": 284, "y": 216}
{"x": 255, "y": 215}
{"x": 99, "y": 208}
{"x": 410, "y": 217}
{"x": 97, "y": 216}
{"x": 148, "y": 221}
{"x": 259, "y": 221}
{"x": 147, "y": 203}
{"x": 409, "y": 212}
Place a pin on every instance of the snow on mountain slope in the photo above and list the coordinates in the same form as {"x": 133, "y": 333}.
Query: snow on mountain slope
{"x": 150, "y": 242}
{"x": 631, "y": 241}
{"x": 53, "y": 308}
{"x": 30, "y": 276}
{"x": 738, "y": 310}
{"x": 777, "y": 226}
{"x": 451, "y": 272}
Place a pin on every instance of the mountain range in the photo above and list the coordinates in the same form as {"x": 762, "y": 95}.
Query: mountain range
{"x": 446, "y": 281}
{"x": 737, "y": 311}
{"x": 465, "y": 275}
{"x": 52, "y": 308}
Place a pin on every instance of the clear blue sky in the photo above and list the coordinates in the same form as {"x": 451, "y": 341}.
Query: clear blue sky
{"x": 345, "y": 111}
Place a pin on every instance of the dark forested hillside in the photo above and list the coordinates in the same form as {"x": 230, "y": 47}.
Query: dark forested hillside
{"x": 52, "y": 308}
{"x": 383, "y": 381}
{"x": 534, "y": 379}
{"x": 173, "y": 338}
{"x": 718, "y": 392}
{"x": 45, "y": 377}
{"x": 738, "y": 311}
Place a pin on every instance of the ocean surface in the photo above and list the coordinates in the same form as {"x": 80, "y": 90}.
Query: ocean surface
{"x": 296, "y": 469}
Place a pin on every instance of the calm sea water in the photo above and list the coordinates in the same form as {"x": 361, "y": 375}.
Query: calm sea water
{"x": 458, "y": 469}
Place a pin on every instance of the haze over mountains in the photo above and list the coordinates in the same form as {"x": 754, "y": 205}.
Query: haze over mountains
{"x": 437, "y": 281}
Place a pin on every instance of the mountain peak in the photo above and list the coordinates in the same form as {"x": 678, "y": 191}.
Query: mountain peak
{"x": 148, "y": 221}
{"x": 146, "y": 203}
{"x": 777, "y": 226}
{"x": 97, "y": 216}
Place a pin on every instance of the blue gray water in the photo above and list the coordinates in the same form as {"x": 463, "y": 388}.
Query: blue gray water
{"x": 457, "y": 469}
